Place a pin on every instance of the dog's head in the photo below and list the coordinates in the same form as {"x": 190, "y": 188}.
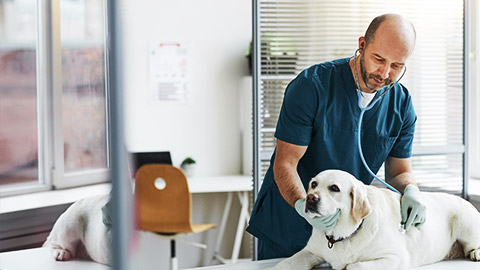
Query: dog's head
{"x": 334, "y": 189}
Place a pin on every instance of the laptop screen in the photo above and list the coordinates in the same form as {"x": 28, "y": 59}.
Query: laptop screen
{"x": 139, "y": 159}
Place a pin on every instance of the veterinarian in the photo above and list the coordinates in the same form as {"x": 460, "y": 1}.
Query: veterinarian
{"x": 317, "y": 130}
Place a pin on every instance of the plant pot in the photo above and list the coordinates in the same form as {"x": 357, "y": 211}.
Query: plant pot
{"x": 189, "y": 169}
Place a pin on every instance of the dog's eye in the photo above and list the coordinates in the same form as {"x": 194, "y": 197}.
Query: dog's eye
{"x": 334, "y": 188}
{"x": 314, "y": 184}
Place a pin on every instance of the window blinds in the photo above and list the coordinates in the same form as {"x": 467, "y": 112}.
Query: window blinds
{"x": 297, "y": 34}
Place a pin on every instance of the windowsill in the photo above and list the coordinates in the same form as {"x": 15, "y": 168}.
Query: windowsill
{"x": 50, "y": 198}
{"x": 66, "y": 196}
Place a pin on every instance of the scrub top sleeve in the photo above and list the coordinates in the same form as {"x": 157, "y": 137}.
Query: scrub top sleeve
{"x": 403, "y": 145}
{"x": 297, "y": 115}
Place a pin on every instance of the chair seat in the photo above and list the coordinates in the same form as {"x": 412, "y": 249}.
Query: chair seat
{"x": 175, "y": 228}
{"x": 202, "y": 227}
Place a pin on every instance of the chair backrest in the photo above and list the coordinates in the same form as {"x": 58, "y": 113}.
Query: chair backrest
{"x": 166, "y": 210}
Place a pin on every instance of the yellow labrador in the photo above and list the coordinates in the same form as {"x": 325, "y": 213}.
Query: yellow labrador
{"x": 367, "y": 236}
{"x": 80, "y": 232}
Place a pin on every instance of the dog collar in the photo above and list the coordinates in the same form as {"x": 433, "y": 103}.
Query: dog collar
{"x": 331, "y": 239}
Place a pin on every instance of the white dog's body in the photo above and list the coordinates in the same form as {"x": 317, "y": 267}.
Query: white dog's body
{"x": 368, "y": 224}
{"x": 80, "y": 233}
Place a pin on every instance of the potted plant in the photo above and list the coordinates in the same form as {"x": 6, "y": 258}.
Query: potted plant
{"x": 188, "y": 166}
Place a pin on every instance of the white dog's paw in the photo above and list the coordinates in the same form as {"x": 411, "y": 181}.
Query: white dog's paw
{"x": 61, "y": 254}
{"x": 475, "y": 254}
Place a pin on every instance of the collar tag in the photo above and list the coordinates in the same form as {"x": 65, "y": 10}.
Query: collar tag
{"x": 330, "y": 245}
{"x": 331, "y": 240}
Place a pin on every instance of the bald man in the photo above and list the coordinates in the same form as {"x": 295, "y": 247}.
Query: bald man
{"x": 317, "y": 130}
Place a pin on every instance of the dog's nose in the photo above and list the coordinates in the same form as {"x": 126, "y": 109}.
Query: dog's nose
{"x": 312, "y": 203}
{"x": 312, "y": 198}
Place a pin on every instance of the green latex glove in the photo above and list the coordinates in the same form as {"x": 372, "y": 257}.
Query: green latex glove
{"x": 321, "y": 223}
{"x": 413, "y": 210}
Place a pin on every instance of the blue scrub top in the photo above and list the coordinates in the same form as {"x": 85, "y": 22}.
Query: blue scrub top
{"x": 320, "y": 110}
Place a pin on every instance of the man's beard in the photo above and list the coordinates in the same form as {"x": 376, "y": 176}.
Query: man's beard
{"x": 366, "y": 76}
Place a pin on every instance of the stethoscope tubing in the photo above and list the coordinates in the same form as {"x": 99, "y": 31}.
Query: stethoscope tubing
{"x": 363, "y": 110}
{"x": 360, "y": 118}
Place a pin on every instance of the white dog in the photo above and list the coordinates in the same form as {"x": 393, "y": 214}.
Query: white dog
{"x": 80, "y": 232}
{"x": 366, "y": 235}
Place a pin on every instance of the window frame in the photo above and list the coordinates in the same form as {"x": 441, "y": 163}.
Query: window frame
{"x": 474, "y": 93}
{"x": 51, "y": 173}
{"x": 278, "y": 74}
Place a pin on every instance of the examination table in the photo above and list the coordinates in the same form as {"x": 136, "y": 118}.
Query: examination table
{"x": 40, "y": 258}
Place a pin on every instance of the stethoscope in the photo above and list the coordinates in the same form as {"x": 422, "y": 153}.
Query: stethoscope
{"x": 362, "y": 112}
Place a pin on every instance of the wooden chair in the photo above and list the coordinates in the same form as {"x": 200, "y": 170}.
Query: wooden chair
{"x": 165, "y": 209}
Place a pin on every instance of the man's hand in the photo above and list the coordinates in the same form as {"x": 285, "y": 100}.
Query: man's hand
{"x": 321, "y": 223}
{"x": 413, "y": 210}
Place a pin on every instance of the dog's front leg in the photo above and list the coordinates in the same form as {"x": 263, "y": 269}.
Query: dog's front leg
{"x": 302, "y": 260}
{"x": 379, "y": 264}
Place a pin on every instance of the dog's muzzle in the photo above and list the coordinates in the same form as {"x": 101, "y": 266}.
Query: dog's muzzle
{"x": 312, "y": 203}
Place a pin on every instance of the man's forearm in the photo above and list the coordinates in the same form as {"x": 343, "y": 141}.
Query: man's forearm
{"x": 289, "y": 183}
{"x": 402, "y": 180}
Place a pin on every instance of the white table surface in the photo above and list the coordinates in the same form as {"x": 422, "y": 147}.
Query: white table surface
{"x": 40, "y": 258}
{"x": 259, "y": 265}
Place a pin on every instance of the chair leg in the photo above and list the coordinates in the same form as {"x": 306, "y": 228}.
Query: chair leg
{"x": 173, "y": 256}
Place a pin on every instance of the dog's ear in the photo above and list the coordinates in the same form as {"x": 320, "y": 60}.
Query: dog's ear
{"x": 360, "y": 205}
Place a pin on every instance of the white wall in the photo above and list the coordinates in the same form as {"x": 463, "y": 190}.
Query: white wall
{"x": 474, "y": 97}
{"x": 206, "y": 128}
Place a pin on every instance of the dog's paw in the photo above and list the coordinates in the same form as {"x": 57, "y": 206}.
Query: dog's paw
{"x": 61, "y": 254}
{"x": 475, "y": 254}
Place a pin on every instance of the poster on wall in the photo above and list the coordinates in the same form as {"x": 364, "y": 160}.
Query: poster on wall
{"x": 168, "y": 72}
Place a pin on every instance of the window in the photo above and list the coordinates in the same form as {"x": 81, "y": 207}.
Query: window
{"x": 53, "y": 114}
{"x": 18, "y": 93}
{"x": 297, "y": 34}
{"x": 83, "y": 90}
